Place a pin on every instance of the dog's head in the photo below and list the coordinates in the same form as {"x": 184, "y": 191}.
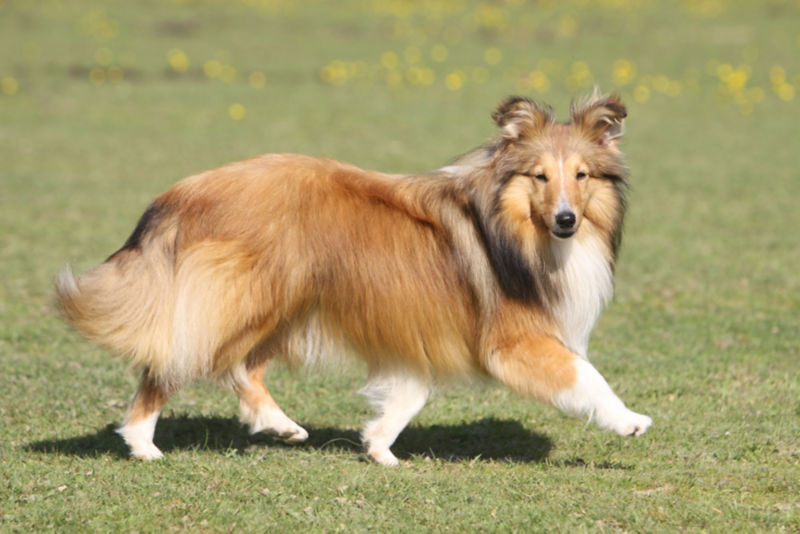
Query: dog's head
{"x": 545, "y": 182}
{"x": 553, "y": 170}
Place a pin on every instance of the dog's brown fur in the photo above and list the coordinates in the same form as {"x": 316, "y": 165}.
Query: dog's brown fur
{"x": 299, "y": 258}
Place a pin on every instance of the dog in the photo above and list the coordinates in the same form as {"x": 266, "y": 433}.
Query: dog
{"x": 497, "y": 265}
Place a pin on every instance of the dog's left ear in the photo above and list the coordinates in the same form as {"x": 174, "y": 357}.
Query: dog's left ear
{"x": 602, "y": 119}
{"x": 521, "y": 117}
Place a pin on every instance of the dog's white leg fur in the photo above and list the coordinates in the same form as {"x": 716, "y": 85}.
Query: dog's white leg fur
{"x": 139, "y": 437}
{"x": 259, "y": 410}
{"x": 592, "y": 397}
{"x": 272, "y": 420}
{"x": 398, "y": 398}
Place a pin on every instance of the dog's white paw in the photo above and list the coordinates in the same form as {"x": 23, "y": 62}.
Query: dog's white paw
{"x": 382, "y": 456}
{"x": 139, "y": 438}
{"x": 631, "y": 423}
{"x": 275, "y": 422}
{"x": 146, "y": 451}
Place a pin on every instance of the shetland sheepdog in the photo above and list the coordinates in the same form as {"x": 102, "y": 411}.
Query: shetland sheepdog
{"x": 496, "y": 265}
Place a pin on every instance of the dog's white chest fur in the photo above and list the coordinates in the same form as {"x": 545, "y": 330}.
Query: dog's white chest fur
{"x": 587, "y": 284}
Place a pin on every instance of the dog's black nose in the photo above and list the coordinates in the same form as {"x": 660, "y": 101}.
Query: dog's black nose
{"x": 565, "y": 219}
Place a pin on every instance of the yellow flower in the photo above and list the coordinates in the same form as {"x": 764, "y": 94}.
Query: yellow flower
{"x": 389, "y": 60}
{"x": 777, "y": 75}
{"x": 641, "y": 93}
{"x": 567, "y": 26}
{"x": 236, "y": 111}
{"x": 115, "y": 74}
{"x": 9, "y": 85}
{"x": 97, "y": 76}
{"x": 785, "y": 91}
{"x": 427, "y": 76}
{"x": 212, "y": 68}
{"x": 539, "y": 81}
{"x": 439, "y": 53}
{"x": 178, "y": 60}
{"x": 257, "y": 79}
{"x": 493, "y": 56}
{"x": 228, "y": 74}
{"x": 455, "y": 80}
{"x": 623, "y": 73}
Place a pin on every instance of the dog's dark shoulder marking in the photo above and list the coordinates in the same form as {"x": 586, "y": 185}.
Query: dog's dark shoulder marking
{"x": 149, "y": 220}
{"x": 512, "y": 270}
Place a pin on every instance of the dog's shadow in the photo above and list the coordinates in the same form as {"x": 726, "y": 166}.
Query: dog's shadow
{"x": 490, "y": 439}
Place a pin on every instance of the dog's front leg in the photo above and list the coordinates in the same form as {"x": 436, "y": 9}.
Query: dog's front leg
{"x": 543, "y": 368}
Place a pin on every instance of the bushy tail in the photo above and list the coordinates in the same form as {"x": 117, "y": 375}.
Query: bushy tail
{"x": 122, "y": 305}
{"x": 172, "y": 318}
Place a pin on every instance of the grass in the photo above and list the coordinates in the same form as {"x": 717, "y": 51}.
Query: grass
{"x": 105, "y": 104}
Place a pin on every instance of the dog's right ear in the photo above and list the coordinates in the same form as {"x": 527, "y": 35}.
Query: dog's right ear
{"x": 521, "y": 118}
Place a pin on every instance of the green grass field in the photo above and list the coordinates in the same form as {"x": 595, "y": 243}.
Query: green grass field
{"x": 104, "y": 104}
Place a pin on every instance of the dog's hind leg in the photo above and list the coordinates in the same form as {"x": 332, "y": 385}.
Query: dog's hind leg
{"x": 257, "y": 407}
{"x": 398, "y": 398}
{"x": 140, "y": 421}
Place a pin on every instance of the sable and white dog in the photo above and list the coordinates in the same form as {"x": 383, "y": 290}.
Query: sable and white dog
{"x": 497, "y": 265}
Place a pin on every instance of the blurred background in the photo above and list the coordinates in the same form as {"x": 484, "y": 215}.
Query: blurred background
{"x": 104, "y": 104}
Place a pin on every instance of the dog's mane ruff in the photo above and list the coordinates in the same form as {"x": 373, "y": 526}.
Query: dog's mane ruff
{"x": 471, "y": 161}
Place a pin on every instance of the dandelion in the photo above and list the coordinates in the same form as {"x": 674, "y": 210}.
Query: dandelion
{"x": 228, "y": 74}
{"x": 490, "y": 16}
{"x": 538, "y": 81}
{"x": 660, "y": 83}
{"x": 236, "y": 112}
{"x": 785, "y": 91}
{"x": 9, "y": 85}
{"x": 641, "y": 93}
{"x": 439, "y": 53}
{"x": 178, "y": 60}
{"x": 97, "y": 76}
{"x": 414, "y": 75}
{"x": 674, "y": 89}
{"x": 777, "y": 75}
{"x": 326, "y": 74}
{"x": 389, "y": 60}
{"x": 493, "y": 56}
{"x": 212, "y": 68}
{"x": 427, "y": 76}
{"x": 115, "y": 74}
{"x": 623, "y": 72}
{"x": 567, "y": 26}
{"x": 455, "y": 80}
{"x": 579, "y": 76}
{"x": 394, "y": 79}
{"x": 257, "y": 79}
{"x": 724, "y": 70}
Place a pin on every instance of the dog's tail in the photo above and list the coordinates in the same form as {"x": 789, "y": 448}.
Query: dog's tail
{"x": 183, "y": 314}
{"x": 122, "y": 305}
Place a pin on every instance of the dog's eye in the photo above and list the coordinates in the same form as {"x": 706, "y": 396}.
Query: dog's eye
{"x": 541, "y": 177}
{"x": 580, "y": 176}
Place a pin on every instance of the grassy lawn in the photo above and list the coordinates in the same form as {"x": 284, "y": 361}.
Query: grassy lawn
{"x": 104, "y": 104}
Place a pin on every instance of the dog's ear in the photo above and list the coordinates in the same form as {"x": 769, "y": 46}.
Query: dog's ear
{"x": 602, "y": 118}
{"x": 520, "y": 117}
